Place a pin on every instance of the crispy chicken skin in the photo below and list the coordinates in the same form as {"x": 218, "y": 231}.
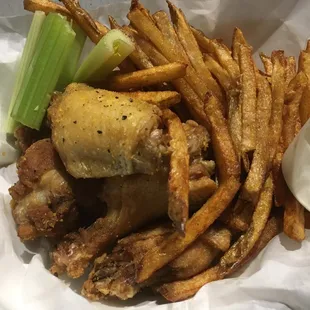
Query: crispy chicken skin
{"x": 99, "y": 133}
{"x": 42, "y": 199}
{"x": 113, "y": 275}
{"x": 132, "y": 202}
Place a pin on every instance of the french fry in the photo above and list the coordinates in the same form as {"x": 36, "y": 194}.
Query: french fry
{"x": 152, "y": 76}
{"x": 175, "y": 244}
{"x": 83, "y": 19}
{"x": 201, "y": 190}
{"x": 220, "y": 73}
{"x": 266, "y": 60}
{"x": 48, "y": 6}
{"x": 162, "y": 99}
{"x": 247, "y": 99}
{"x": 241, "y": 213}
{"x": 232, "y": 260}
{"x": 304, "y": 108}
{"x": 294, "y": 218}
{"x": 178, "y": 182}
{"x": 148, "y": 29}
{"x": 191, "y": 47}
{"x": 290, "y": 69}
{"x": 238, "y": 40}
{"x": 304, "y": 63}
{"x": 277, "y": 91}
{"x": 225, "y": 155}
{"x": 218, "y": 237}
{"x": 223, "y": 56}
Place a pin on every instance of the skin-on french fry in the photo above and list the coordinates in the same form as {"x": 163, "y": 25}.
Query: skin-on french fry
{"x": 232, "y": 260}
{"x": 290, "y": 69}
{"x": 277, "y": 91}
{"x": 191, "y": 47}
{"x": 148, "y": 29}
{"x": 225, "y": 155}
{"x": 304, "y": 108}
{"x": 229, "y": 171}
{"x": 215, "y": 48}
{"x": 201, "y": 190}
{"x": 178, "y": 182}
{"x": 247, "y": 99}
{"x": 304, "y": 63}
{"x": 48, "y": 6}
{"x": 175, "y": 244}
{"x": 162, "y": 99}
{"x": 241, "y": 213}
{"x": 238, "y": 40}
{"x": 266, "y": 60}
{"x": 152, "y": 76}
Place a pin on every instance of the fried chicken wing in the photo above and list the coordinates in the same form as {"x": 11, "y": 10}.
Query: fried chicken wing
{"x": 132, "y": 202}
{"x": 114, "y": 274}
{"x": 42, "y": 200}
{"x": 99, "y": 133}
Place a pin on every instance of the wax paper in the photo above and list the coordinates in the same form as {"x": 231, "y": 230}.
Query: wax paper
{"x": 279, "y": 278}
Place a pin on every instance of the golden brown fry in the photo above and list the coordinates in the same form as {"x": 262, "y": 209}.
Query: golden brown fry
{"x": 152, "y": 76}
{"x": 220, "y": 73}
{"x": 304, "y": 108}
{"x": 201, "y": 190}
{"x": 294, "y": 218}
{"x": 232, "y": 260}
{"x": 277, "y": 91}
{"x": 238, "y": 40}
{"x": 266, "y": 60}
{"x": 83, "y": 19}
{"x": 178, "y": 182}
{"x": 191, "y": 47}
{"x": 226, "y": 158}
{"x": 149, "y": 30}
{"x": 290, "y": 69}
{"x": 48, "y": 6}
{"x": 175, "y": 244}
{"x": 304, "y": 63}
{"x": 247, "y": 99}
{"x": 163, "y": 99}
{"x": 218, "y": 237}
{"x": 221, "y": 53}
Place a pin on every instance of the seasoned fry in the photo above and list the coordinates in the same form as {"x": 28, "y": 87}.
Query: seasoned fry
{"x": 152, "y": 76}
{"x": 238, "y": 40}
{"x": 83, "y": 19}
{"x": 163, "y": 99}
{"x": 48, "y": 6}
{"x": 304, "y": 63}
{"x": 247, "y": 99}
{"x": 201, "y": 190}
{"x": 195, "y": 226}
{"x": 304, "y": 108}
{"x": 148, "y": 29}
{"x": 294, "y": 218}
{"x": 225, "y": 155}
{"x": 290, "y": 69}
{"x": 232, "y": 260}
{"x": 266, "y": 60}
{"x": 215, "y": 48}
{"x": 241, "y": 213}
{"x": 277, "y": 91}
{"x": 178, "y": 183}
{"x": 191, "y": 47}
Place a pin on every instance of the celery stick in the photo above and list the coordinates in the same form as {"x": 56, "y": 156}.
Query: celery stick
{"x": 54, "y": 43}
{"x": 111, "y": 50}
{"x": 71, "y": 64}
{"x": 27, "y": 54}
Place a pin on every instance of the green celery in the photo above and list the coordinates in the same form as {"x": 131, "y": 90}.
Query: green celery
{"x": 111, "y": 50}
{"x": 71, "y": 64}
{"x": 54, "y": 44}
{"x": 25, "y": 60}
